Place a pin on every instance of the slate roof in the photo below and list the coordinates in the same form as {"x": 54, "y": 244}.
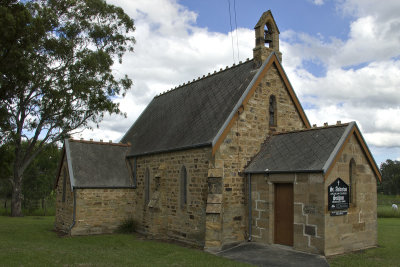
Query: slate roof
{"x": 309, "y": 150}
{"x": 191, "y": 115}
{"x": 97, "y": 164}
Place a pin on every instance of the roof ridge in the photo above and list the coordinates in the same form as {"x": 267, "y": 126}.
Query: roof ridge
{"x": 203, "y": 77}
{"x": 110, "y": 143}
{"x": 313, "y": 128}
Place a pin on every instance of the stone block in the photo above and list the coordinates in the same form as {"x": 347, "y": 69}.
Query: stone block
{"x": 357, "y": 227}
{"x": 213, "y": 208}
{"x": 214, "y": 226}
{"x": 262, "y": 223}
{"x": 318, "y": 244}
{"x": 261, "y": 205}
{"x": 215, "y": 172}
{"x": 302, "y": 178}
{"x": 298, "y": 214}
{"x": 310, "y": 230}
{"x": 214, "y": 199}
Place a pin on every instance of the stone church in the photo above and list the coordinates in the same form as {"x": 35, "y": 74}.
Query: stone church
{"x": 226, "y": 158}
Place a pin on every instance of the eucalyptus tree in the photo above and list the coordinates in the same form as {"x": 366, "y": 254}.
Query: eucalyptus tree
{"x": 56, "y": 75}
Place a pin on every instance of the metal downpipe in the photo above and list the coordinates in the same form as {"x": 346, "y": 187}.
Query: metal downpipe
{"x": 250, "y": 218}
{"x": 73, "y": 213}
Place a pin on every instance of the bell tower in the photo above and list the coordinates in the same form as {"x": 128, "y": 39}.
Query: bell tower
{"x": 267, "y": 33}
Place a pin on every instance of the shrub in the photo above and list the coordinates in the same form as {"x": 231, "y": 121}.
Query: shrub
{"x": 128, "y": 226}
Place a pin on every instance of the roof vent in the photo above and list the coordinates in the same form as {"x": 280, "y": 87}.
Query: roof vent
{"x": 338, "y": 122}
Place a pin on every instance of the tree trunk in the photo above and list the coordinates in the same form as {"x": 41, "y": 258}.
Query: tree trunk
{"x": 16, "y": 197}
{"x": 5, "y": 206}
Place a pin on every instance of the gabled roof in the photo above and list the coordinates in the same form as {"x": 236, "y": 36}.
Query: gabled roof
{"x": 200, "y": 113}
{"x": 89, "y": 164}
{"x": 311, "y": 150}
{"x": 190, "y": 115}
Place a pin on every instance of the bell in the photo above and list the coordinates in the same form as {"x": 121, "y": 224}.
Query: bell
{"x": 267, "y": 36}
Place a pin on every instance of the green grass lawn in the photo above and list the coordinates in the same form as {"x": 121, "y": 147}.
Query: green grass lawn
{"x": 30, "y": 241}
{"x": 387, "y": 253}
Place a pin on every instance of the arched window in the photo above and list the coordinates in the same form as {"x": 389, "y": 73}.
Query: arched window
{"x": 133, "y": 167}
{"x": 352, "y": 181}
{"x": 183, "y": 187}
{"x": 147, "y": 186}
{"x": 272, "y": 111}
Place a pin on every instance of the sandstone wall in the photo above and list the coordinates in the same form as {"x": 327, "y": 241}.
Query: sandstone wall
{"x": 242, "y": 142}
{"x": 100, "y": 211}
{"x": 308, "y": 209}
{"x": 64, "y": 209}
{"x": 358, "y": 229}
{"x": 165, "y": 216}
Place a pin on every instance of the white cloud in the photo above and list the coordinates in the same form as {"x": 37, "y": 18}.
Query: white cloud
{"x": 362, "y": 73}
{"x": 318, "y": 2}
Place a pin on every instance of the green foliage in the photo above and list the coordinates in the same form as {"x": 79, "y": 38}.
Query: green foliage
{"x": 390, "y": 177}
{"x": 30, "y": 241}
{"x": 56, "y": 74}
{"x": 38, "y": 179}
{"x": 388, "y": 199}
{"x": 387, "y": 253}
{"x": 128, "y": 226}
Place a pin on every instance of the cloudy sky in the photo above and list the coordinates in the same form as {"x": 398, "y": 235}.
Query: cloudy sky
{"x": 342, "y": 57}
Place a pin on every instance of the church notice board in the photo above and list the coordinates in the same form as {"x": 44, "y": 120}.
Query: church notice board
{"x": 338, "y": 197}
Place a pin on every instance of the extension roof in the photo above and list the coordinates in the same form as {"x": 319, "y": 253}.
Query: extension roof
{"x": 200, "y": 113}
{"x": 311, "y": 150}
{"x": 97, "y": 164}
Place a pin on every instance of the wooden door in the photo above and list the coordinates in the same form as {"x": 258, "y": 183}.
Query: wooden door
{"x": 284, "y": 214}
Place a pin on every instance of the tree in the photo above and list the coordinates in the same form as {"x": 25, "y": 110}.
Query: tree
{"x": 56, "y": 75}
{"x": 390, "y": 177}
